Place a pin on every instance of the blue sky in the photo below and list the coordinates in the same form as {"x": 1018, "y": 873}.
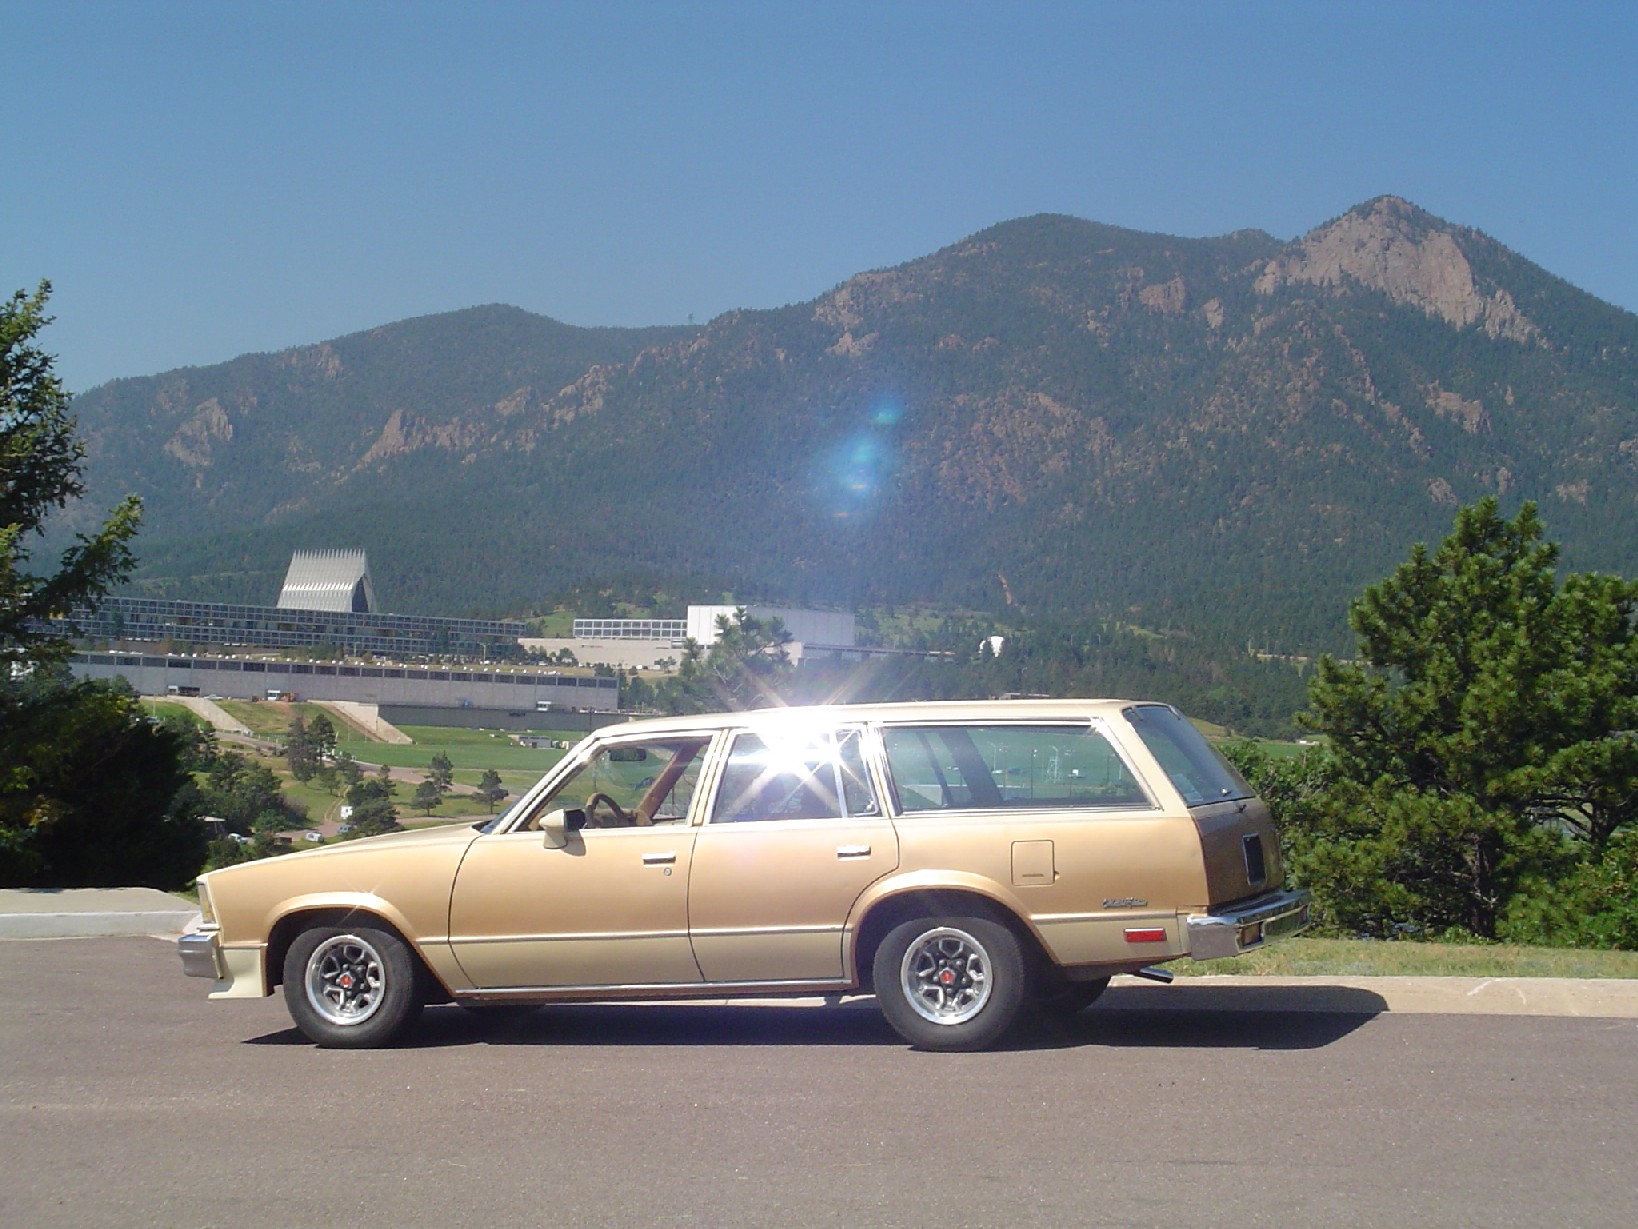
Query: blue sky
{"x": 200, "y": 180}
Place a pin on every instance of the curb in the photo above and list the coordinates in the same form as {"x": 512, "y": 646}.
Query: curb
{"x": 1593, "y": 998}
{"x": 1562, "y": 997}
{"x": 96, "y": 925}
{"x": 85, "y": 913}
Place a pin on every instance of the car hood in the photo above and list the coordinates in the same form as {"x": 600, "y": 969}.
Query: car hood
{"x": 411, "y": 838}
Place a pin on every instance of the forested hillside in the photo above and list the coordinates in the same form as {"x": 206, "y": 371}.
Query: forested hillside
{"x": 1230, "y": 435}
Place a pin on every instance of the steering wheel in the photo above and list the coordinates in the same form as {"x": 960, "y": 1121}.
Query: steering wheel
{"x": 622, "y": 817}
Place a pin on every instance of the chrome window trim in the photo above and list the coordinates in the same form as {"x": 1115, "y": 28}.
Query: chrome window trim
{"x": 1095, "y": 724}
{"x": 584, "y": 751}
{"x": 829, "y": 732}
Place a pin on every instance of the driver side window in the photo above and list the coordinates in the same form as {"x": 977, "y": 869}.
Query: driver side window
{"x": 631, "y": 784}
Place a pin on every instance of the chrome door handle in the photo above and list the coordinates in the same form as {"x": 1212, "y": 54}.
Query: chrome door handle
{"x": 853, "y": 851}
{"x": 659, "y": 859}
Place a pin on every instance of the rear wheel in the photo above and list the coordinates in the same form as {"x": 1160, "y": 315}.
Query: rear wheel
{"x": 950, "y": 983}
{"x": 351, "y": 988}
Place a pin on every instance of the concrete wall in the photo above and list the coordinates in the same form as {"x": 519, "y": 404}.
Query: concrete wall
{"x": 811, "y": 627}
{"x": 622, "y": 654}
{"x": 440, "y": 687}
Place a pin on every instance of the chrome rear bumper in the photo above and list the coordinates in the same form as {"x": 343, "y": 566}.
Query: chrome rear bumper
{"x": 1242, "y": 927}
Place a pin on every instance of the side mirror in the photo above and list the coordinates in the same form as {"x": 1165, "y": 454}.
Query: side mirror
{"x": 555, "y": 826}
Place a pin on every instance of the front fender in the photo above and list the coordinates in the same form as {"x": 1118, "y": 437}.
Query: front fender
{"x": 343, "y": 902}
{"x": 434, "y": 949}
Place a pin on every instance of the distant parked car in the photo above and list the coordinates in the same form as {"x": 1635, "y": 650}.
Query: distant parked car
{"x": 312, "y": 836}
{"x": 963, "y": 861}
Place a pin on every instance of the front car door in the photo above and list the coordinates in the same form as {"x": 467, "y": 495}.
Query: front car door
{"x": 795, "y": 833}
{"x": 609, "y": 908}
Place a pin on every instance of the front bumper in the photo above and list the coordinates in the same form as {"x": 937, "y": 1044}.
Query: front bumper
{"x": 198, "y": 952}
{"x": 236, "y": 971}
{"x": 1240, "y": 928}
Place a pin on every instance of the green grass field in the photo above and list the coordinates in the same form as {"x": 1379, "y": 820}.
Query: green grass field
{"x": 265, "y": 720}
{"x": 169, "y": 708}
{"x": 472, "y": 752}
{"x": 1283, "y": 750}
{"x": 466, "y": 749}
{"x": 1303, "y": 957}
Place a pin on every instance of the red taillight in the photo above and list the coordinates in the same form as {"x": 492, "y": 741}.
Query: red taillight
{"x": 1153, "y": 934}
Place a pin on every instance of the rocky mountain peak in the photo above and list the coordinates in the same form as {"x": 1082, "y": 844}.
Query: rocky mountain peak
{"x": 1390, "y": 245}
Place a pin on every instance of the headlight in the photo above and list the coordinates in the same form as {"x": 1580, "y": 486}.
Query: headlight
{"x": 207, "y": 914}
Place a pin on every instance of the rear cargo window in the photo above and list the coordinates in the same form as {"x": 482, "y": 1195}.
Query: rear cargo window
{"x": 1200, "y": 774}
{"x": 1006, "y": 767}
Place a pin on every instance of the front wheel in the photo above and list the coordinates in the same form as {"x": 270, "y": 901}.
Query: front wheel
{"x": 1062, "y": 999}
{"x": 351, "y": 988}
{"x": 950, "y": 983}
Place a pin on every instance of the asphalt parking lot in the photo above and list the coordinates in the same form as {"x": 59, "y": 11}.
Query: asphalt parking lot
{"x": 128, "y": 1099}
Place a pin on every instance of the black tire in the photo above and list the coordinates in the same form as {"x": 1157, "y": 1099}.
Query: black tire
{"x": 1061, "y": 999}
{"x": 351, "y": 988}
{"x": 952, "y": 983}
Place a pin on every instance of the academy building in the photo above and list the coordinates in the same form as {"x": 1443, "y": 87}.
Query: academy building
{"x": 327, "y": 601}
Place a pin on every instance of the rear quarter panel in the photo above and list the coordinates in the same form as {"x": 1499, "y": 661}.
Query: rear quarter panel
{"x": 1078, "y": 879}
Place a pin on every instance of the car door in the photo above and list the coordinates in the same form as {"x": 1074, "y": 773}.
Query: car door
{"x": 609, "y": 908}
{"x": 795, "y": 833}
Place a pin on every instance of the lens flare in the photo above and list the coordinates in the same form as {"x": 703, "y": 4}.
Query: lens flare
{"x": 855, "y": 473}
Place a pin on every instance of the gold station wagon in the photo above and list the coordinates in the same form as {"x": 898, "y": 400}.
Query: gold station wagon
{"x": 960, "y": 861}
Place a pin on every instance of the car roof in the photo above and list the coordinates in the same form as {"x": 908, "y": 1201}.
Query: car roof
{"x": 904, "y": 711}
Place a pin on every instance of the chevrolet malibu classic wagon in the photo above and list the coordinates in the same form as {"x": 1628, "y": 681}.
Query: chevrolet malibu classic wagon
{"x": 960, "y": 861}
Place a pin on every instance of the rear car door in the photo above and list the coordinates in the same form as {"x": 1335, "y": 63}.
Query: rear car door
{"x": 795, "y": 833}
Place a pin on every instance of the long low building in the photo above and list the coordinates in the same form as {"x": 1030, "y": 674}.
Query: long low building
{"x": 271, "y": 627}
{"x": 438, "y": 686}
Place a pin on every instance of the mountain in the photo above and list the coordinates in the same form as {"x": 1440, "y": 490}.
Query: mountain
{"x": 1053, "y": 414}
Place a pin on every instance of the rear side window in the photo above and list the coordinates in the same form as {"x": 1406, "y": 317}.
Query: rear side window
{"x": 1200, "y": 774}
{"x": 1006, "y": 767}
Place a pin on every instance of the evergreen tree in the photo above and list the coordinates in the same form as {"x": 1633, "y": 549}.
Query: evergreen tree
{"x": 300, "y": 750}
{"x": 490, "y": 788}
{"x": 1483, "y": 737}
{"x": 40, "y": 471}
{"x": 348, "y": 772}
{"x": 744, "y": 668}
{"x": 91, "y": 793}
{"x": 428, "y": 795}
{"x": 374, "y": 817}
{"x": 323, "y": 733}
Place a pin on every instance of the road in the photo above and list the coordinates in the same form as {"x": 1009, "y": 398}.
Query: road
{"x": 128, "y": 1099}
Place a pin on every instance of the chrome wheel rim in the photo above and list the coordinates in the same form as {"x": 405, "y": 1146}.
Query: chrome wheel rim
{"x": 946, "y": 976}
{"x": 345, "y": 980}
